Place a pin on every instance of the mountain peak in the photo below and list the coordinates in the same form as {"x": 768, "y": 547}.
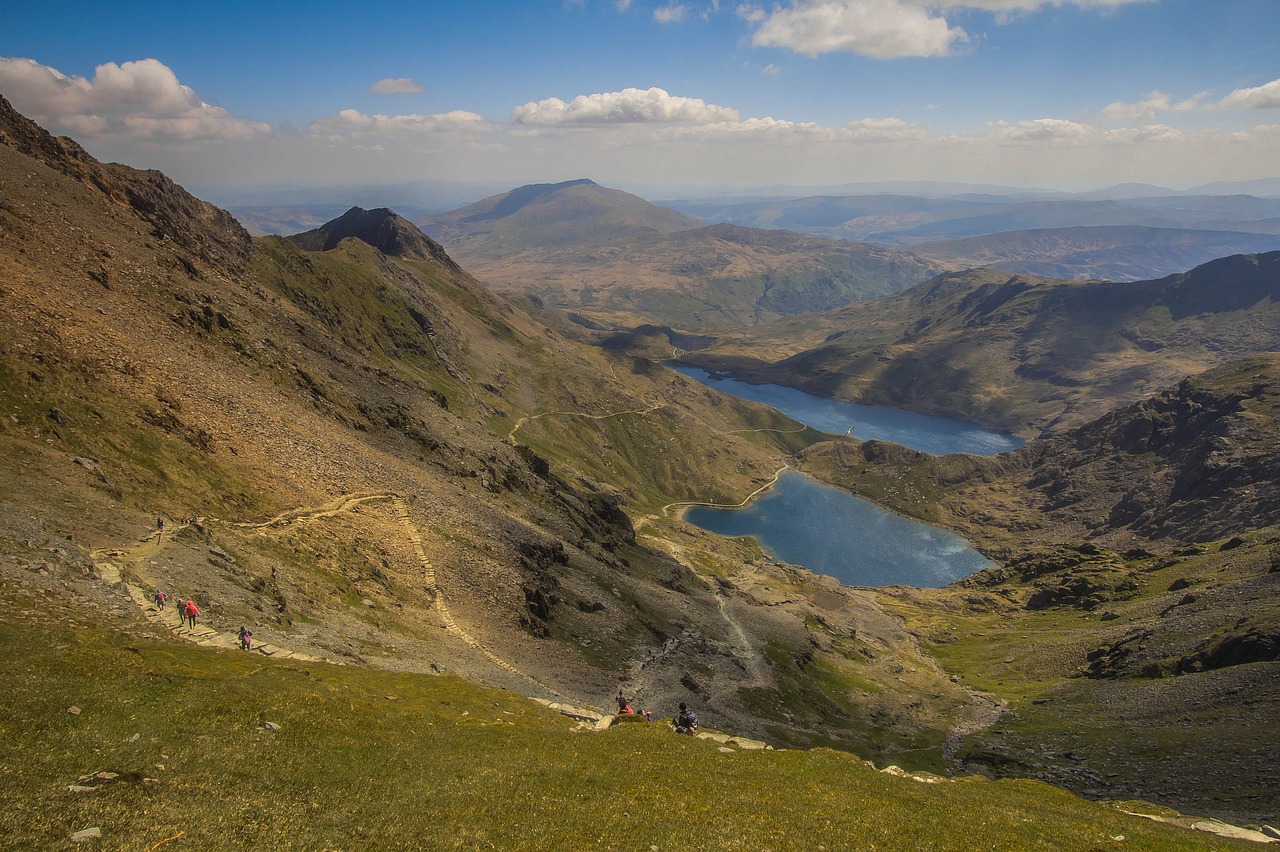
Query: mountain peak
{"x": 382, "y": 228}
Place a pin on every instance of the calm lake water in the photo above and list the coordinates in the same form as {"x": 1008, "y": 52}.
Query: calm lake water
{"x": 936, "y": 435}
{"x": 830, "y": 531}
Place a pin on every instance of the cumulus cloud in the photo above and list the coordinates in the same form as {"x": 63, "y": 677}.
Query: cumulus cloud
{"x": 1147, "y": 108}
{"x": 396, "y": 86}
{"x": 882, "y": 29}
{"x": 884, "y": 130}
{"x": 138, "y": 101}
{"x": 1043, "y": 130}
{"x": 1261, "y": 97}
{"x": 629, "y": 106}
{"x": 672, "y": 13}
{"x": 1148, "y": 133}
{"x": 1032, "y": 5}
{"x": 351, "y": 123}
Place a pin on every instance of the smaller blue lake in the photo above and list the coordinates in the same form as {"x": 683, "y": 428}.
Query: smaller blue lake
{"x": 935, "y": 435}
{"x": 831, "y": 532}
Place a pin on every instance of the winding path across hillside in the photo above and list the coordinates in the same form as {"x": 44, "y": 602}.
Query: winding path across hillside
{"x": 110, "y": 563}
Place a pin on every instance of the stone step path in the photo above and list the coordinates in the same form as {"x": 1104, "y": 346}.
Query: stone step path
{"x": 202, "y": 634}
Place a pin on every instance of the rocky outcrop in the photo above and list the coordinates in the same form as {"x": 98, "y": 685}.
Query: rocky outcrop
{"x": 1199, "y": 461}
{"x": 383, "y": 229}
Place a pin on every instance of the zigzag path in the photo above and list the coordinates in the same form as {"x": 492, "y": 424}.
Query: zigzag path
{"x": 110, "y": 564}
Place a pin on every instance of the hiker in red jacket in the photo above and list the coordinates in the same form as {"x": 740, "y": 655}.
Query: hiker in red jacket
{"x": 192, "y": 611}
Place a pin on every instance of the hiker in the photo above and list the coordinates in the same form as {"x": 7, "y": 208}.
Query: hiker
{"x": 686, "y": 720}
{"x": 192, "y": 611}
{"x": 623, "y": 706}
{"x": 246, "y": 639}
{"x": 161, "y": 597}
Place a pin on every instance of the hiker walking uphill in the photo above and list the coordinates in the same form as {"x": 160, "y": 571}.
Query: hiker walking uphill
{"x": 246, "y": 638}
{"x": 192, "y": 612}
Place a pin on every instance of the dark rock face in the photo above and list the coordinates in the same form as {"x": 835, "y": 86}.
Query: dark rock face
{"x": 383, "y": 229}
{"x": 1253, "y": 646}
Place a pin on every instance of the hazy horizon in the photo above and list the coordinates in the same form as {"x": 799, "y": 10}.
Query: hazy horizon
{"x": 1049, "y": 94}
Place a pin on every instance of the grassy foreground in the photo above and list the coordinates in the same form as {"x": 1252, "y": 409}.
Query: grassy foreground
{"x": 371, "y": 759}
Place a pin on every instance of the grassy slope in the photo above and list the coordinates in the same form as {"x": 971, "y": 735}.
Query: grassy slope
{"x": 375, "y": 759}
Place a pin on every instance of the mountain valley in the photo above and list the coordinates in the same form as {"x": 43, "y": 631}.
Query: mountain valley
{"x": 347, "y": 440}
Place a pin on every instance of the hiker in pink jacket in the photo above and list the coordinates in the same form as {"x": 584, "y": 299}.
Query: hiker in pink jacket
{"x": 191, "y": 612}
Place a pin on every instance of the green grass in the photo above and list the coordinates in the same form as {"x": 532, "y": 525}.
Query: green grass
{"x": 371, "y": 759}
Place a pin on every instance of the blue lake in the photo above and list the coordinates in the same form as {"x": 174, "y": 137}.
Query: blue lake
{"x": 832, "y": 532}
{"x": 935, "y": 435}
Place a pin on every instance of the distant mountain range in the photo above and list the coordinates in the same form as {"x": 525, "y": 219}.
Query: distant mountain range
{"x": 614, "y": 256}
{"x": 1116, "y": 253}
{"x": 1022, "y": 352}
{"x": 909, "y": 220}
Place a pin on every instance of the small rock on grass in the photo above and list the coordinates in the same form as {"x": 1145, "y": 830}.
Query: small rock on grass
{"x": 269, "y": 726}
{"x": 86, "y": 834}
{"x": 73, "y": 710}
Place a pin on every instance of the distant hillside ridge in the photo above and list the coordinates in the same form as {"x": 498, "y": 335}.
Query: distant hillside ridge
{"x": 1107, "y": 252}
{"x": 1020, "y": 352}
{"x": 383, "y": 229}
{"x": 550, "y": 215}
{"x": 621, "y": 262}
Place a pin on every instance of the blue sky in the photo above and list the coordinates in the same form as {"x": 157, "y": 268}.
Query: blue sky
{"x": 1068, "y": 94}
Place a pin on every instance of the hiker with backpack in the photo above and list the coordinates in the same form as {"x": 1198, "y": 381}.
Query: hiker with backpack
{"x": 246, "y": 639}
{"x": 686, "y": 721}
{"x": 161, "y": 597}
{"x": 192, "y": 612}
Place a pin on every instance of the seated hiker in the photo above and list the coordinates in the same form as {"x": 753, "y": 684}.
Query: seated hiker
{"x": 623, "y": 706}
{"x": 686, "y": 720}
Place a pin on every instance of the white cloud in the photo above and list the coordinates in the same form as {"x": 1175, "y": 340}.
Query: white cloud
{"x": 623, "y": 5}
{"x": 771, "y": 69}
{"x": 884, "y": 130}
{"x": 396, "y": 86}
{"x": 1148, "y": 133}
{"x": 882, "y": 29}
{"x": 1147, "y": 108}
{"x": 1033, "y": 5}
{"x": 672, "y": 13}
{"x": 1043, "y": 130}
{"x": 629, "y": 106}
{"x": 1261, "y": 97}
{"x": 351, "y": 123}
{"x": 139, "y": 101}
